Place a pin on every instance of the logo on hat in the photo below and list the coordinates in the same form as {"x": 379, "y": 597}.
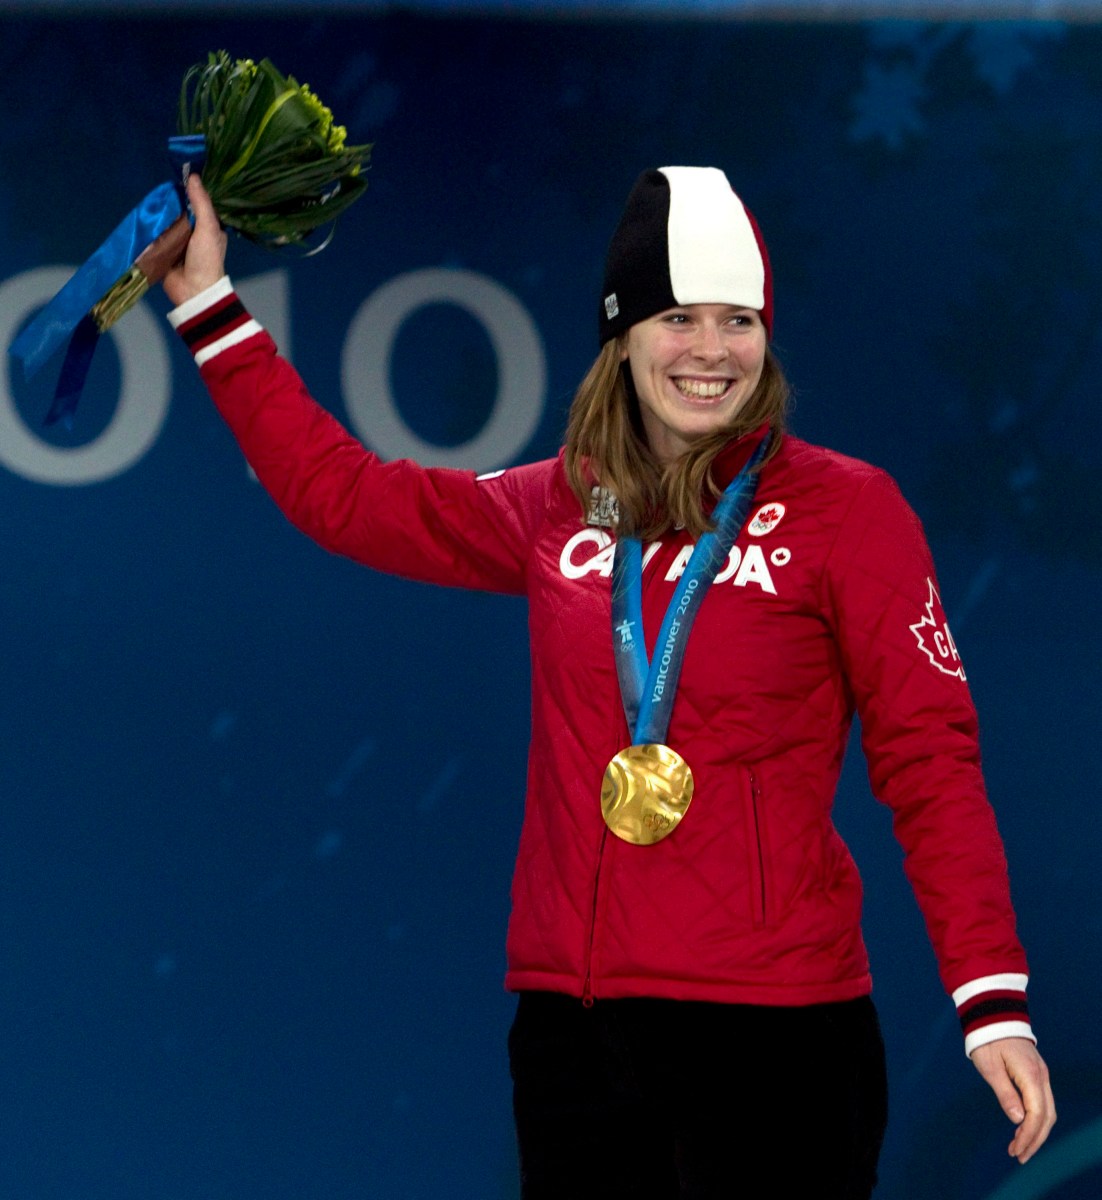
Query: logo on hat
{"x": 612, "y": 306}
{"x": 766, "y": 519}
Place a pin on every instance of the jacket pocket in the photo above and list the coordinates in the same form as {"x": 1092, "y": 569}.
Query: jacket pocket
{"x": 757, "y": 843}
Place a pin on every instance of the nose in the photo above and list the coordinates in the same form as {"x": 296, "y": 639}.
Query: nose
{"x": 708, "y": 345}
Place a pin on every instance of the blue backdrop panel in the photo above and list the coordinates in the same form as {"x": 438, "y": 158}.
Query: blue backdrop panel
{"x": 260, "y": 806}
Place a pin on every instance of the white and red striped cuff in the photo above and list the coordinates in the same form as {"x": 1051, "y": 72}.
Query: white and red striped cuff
{"x": 993, "y": 1007}
{"x": 213, "y": 321}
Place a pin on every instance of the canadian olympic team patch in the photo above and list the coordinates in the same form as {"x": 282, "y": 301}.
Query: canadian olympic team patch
{"x": 766, "y": 519}
{"x": 934, "y": 639}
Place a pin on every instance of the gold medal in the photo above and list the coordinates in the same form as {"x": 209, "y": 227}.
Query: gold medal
{"x": 645, "y": 793}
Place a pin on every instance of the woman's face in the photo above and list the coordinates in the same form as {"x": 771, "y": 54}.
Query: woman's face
{"x": 693, "y": 367}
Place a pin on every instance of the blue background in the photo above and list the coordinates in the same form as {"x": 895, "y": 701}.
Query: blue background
{"x": 260, "y": 806}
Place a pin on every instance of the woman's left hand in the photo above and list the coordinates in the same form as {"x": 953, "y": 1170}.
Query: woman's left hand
{"x": 1019, "y": 1078}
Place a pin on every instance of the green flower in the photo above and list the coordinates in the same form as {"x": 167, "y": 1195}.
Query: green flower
{"x": 278, "y": 166}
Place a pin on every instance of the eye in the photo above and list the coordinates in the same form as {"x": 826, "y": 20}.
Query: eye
{"x": 675, "y": 318}
{"x": 746, "y": 319}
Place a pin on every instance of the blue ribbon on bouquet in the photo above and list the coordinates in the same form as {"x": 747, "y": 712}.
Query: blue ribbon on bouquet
{"x": 68, "y": 314}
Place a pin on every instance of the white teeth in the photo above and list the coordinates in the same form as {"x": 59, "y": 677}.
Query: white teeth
{"x": 707, "y": 391}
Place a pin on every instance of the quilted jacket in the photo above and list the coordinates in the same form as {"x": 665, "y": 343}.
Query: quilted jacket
{"x": 828, "y": 605}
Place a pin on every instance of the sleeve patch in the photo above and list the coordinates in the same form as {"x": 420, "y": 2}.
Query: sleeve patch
{"x": 931, "y": 632}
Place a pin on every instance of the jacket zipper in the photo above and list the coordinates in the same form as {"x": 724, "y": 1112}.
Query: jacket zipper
{"x": 755, "y": 803}
{"x": 587, "y": 990}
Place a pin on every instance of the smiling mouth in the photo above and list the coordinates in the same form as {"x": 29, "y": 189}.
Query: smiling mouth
{"x": 701, "y": 389}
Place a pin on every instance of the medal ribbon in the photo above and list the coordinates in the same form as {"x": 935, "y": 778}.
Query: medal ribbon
{"x": 66, "y": 317}
{"x": 648, "y": 688}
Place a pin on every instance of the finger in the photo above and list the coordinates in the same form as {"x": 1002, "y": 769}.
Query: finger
{"x": 206, "y": 254}
{"x": 991, "y": 1063}
{"x": 201, "y": 206}
{"x": 1030, "y": 1077}
{"x": 1019, "y": 1078}
{"x": 1040, "y": 1118}
{"x": 1010, "y": 1101}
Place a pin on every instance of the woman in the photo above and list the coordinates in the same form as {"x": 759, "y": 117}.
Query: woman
{"x": 694, "y": 993}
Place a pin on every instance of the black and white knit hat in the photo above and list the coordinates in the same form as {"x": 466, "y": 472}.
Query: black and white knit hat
{"x": 684, "y": 238}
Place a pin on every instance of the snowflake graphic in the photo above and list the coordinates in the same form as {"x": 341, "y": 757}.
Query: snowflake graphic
{"x": 887, "y": 107}
{"x": 897, "y": 82}
{"x": 1001, "y": 51}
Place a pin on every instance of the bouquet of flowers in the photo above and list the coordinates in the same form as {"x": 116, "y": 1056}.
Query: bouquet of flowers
{"x": 276, "y": 166}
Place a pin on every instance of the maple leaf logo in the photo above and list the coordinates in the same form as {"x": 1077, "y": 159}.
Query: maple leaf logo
{"x": 766, "y": 519}
{"x": 934, "y": 639}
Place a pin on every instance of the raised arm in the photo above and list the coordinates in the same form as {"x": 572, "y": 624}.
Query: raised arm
{"x": 436, "y": 525}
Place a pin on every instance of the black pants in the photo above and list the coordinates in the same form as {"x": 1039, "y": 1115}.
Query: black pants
{"x": 679, "y": 1100}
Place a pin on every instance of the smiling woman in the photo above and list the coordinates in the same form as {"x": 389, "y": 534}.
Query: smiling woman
{"x": 693, "y": 368}
{"x": 685, "y": 932}
{"x": 685, "y": 365}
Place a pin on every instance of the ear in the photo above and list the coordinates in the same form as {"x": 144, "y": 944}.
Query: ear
{"x": 622, "y": 344}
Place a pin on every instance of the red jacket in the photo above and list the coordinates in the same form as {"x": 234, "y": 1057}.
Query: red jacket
{"x": 828, "y": 604}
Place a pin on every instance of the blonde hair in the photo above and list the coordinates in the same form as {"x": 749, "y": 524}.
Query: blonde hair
{"x": 605, "y": 445}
